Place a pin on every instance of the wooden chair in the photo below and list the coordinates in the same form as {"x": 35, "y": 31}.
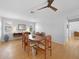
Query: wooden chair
{"x": 46, "y": 43}
{"x": 49, "y": 43}
{"x": 25, "y": 40}
{"x": 26, "y": 43}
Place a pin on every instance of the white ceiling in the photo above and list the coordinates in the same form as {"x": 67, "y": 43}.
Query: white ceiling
{"x": 24, "y": 7}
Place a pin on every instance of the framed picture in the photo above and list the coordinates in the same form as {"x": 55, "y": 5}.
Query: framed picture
{"x": 21, "y": 26}
{"x": 8, "y": 28}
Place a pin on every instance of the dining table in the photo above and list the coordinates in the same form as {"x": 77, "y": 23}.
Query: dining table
{"x": 36, "y": 38}
{"x": 35, "y": 41}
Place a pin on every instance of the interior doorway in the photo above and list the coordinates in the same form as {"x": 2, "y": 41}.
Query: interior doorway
{"x": 73, "y": 29}
{"x": 73, "y": 32}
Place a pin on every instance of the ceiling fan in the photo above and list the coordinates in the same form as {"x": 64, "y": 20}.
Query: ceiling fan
{"x": 48, "y": 6}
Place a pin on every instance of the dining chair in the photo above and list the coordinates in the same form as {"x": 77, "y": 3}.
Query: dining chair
{"x": 49, "y": 43}
{"x": 27, "y": 43}
{"x": 45, "y": 44}
{"x": 25, "y": 40}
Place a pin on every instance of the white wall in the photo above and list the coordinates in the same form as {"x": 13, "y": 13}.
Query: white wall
{"x": 14, "y": 15}
{"x": 55, "y": 27}
{"x": 0, "y": 29}
{"x": 14, "y": 26}
{"x": 50, "y": 23}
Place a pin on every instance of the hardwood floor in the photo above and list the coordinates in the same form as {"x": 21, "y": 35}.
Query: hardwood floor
{"x": 14, "y": 50}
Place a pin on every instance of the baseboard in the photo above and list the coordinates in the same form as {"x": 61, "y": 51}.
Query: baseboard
{"x": 2, "y": 41}
{"x": 59, "y": 43}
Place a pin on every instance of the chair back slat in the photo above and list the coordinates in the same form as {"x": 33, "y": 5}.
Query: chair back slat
{"x": 25, "y": 40}
{"x": 48, "y": 40}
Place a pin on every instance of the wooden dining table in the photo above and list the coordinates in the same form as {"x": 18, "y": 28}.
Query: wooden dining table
{"x": 42, "y": 43}
{"x": 37, "y": 40}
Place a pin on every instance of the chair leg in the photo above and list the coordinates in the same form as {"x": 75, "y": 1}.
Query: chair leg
{"x": 24, "y": 47}
{"x": 28, "y": 49}
{"x": 45, "y": 54}
{"x": 50, "y": 52}
{"x": 36, "y": 51}
{"x": 51, "y": 49}
{"x": 22, "y": 44}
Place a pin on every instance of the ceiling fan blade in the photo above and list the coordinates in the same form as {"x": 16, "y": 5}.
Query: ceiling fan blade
{"x": 39, "y": 9}
{"x": 53, "y": 8}
{"x": 50, "y": 2}
{"x": 42, "y": 7}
